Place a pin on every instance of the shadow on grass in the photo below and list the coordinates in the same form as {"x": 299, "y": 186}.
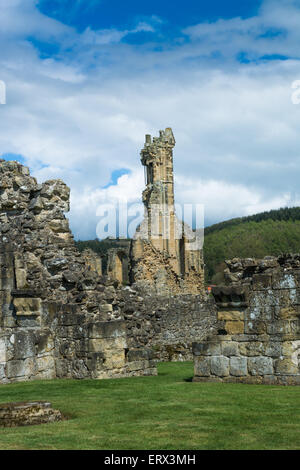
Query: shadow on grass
{"x": 189, "y": 379}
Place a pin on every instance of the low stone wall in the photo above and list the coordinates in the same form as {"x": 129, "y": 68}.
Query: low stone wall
{"x": 258, "y": 338}
{"x": 95, "y": 349}
{"x": 27, "y": 414}
{"x": 26, "y": 354}
{"x": 68, "y": 344}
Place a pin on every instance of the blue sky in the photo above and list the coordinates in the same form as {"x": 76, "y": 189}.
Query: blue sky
{"x": 86, "y": 80}
{"x": 102, "y": 14}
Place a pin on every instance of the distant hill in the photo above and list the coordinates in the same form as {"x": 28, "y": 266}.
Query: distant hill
{"x": 286, "y": 213}
{"x": 259, "y": 235}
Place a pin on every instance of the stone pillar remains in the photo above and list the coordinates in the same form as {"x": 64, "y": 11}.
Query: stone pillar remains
{"x": 166, "y": 254}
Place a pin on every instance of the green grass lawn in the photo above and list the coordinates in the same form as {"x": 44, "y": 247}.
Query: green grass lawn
{"x": 165, "y": 413}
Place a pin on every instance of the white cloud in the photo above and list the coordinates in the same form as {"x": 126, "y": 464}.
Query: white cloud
{"x": 83, "y": 113}
{"x": 234, "y": 199}
{"x": 274, "y": 31}
{"x": 87, "y": 202}
{"x": 20, "y": 18}
{"x": 111, "y": 36}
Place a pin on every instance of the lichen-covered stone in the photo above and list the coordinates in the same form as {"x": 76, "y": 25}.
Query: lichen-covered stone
{"x": 230, "y": 348}
{"x": 233, "y": 315}
{"x": 234, "y": 327}
{"x": 220, "y": 366}
{"x": 202, "y": 366}
{"x": 286, "y": 366}
{"x": 238, "y": 366}
{"x": 206, "y": 349}
{"x": 260, "y": 366}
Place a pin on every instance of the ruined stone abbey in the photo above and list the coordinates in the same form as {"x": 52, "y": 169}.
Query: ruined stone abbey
{"x": 165, "y": 254}
{"x": 61, "y": 317}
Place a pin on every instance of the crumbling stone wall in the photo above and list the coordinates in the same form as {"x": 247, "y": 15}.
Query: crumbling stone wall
{"x": 92, "y": 261}
{"x": 166, "y": 325}
{"x": 258, "y": 338}
{"x": 59, "y": 317}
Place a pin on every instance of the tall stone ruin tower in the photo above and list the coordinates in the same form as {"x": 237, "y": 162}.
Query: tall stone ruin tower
{"x": 163, "y": 250}
{"x": 158, "y": 197}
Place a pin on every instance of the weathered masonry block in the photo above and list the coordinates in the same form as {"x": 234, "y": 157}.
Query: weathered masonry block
{"x": 27, "y": 414}
{"x": 258, "y": 338}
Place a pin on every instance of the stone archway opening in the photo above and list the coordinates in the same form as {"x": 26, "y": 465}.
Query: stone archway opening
{"x": 122, "y": 268}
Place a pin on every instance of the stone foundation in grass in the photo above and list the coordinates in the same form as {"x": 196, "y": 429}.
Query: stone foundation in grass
{"x": 27, "y": 414}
